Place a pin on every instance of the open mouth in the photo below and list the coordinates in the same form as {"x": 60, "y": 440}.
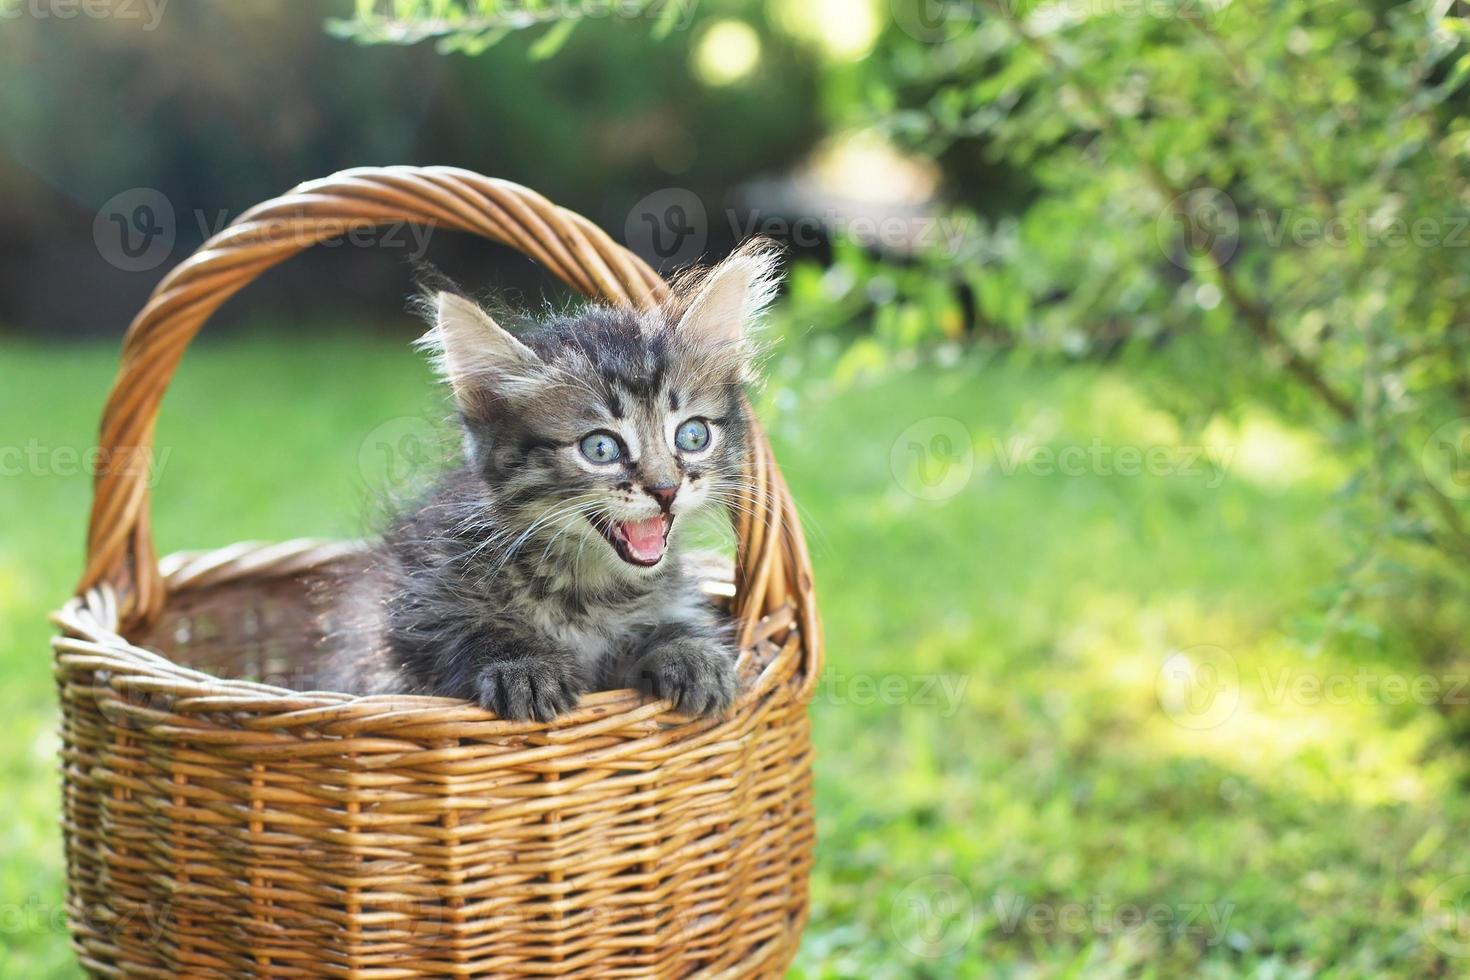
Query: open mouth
{"x": 637, "y": 542}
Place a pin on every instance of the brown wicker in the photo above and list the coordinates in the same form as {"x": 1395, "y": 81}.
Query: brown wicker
{"x": 217, "y": 826}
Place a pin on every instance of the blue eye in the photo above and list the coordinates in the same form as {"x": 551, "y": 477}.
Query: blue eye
{"x": 601, "y": 447}
{"x": 692, "y": 436}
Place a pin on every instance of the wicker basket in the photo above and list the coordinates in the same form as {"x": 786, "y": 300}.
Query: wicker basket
{"x": 223, "y": 827}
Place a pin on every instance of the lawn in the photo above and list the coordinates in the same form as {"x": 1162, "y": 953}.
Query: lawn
{"x": 1075, "y": 723}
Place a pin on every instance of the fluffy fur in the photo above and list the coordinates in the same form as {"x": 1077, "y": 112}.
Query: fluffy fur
{"x": 506, "y": 584}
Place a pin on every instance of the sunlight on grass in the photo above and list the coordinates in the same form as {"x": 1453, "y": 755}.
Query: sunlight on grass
{"x": 1320, "y": 732}
{"x": 1010, "y": 715}
{"x": 1188, "y": 682}
{"x": 1269, "y": 454}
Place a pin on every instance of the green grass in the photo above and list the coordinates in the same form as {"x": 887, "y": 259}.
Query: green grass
{"x": 1011, "y": 767}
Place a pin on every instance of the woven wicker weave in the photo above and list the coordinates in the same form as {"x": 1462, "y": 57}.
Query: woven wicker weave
{"x": 225, "y": 827}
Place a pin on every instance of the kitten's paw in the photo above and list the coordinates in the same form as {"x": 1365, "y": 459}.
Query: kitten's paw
{"x": 522, "y": 690}
{"x": 698, "y": 676}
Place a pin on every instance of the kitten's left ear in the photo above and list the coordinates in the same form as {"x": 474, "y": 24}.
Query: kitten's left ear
{"x": 730, "y": 298}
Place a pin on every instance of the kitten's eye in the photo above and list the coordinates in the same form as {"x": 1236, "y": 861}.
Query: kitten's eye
{"x": 692, "y": 436}
{"x": 601, "y": 447}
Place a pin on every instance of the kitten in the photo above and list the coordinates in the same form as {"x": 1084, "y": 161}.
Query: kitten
{"x": 547, "y": 564}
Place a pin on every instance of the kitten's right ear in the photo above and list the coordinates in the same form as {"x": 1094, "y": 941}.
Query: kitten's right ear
{"x": 732, "y": 296}
{"x": 472, "y": 352}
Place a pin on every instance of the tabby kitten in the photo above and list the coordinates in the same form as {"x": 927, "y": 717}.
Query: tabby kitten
{"x": 547, "y": 564}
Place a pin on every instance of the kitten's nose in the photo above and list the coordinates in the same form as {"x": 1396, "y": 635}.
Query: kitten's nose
{"x": 664, "y": 493}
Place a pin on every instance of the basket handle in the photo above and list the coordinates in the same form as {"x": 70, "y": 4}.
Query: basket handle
{"x": 772, "y": 566}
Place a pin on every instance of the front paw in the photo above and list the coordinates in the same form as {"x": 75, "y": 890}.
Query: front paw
{"x": 698, "y": 676}
{"x": 521, "y": 690}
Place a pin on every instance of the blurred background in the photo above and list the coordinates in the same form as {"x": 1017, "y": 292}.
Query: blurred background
{"x": 1122, "y": 376}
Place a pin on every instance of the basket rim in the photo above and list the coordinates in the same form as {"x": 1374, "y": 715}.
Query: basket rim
{"x": 92, "y": 628}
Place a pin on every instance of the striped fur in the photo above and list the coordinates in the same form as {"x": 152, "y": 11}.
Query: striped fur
{"x": 501, "y": 586}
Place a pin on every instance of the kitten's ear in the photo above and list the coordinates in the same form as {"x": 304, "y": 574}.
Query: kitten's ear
{"x": 472, "y": 352}
{"x": 730, "y": 298}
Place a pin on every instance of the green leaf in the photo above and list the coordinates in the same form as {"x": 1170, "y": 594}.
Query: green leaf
{"x": 668, "y": 18}
{"x": 551, "y": 42}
